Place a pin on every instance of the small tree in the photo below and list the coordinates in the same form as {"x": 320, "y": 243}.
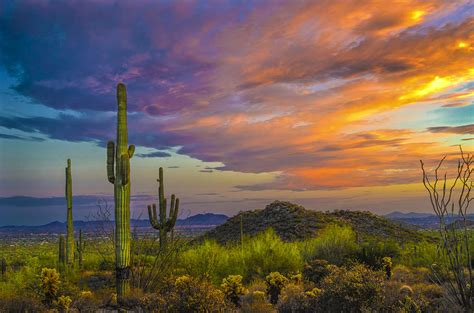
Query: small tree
{"x": 451, "y": 199}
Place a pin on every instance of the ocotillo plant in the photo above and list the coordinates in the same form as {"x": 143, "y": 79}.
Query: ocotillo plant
{"x": 164, "y": 224}
{"x": 119, "y": 155}
{"x": 70, "y": 226}
{"x": 80, "y": 245}
{"x": 62, "y": 252}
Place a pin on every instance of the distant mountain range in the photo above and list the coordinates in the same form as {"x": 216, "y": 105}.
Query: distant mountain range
{"x": 423, "y": 220}
{"x": 207, "y": 220}
{"x": 198, "y": 220}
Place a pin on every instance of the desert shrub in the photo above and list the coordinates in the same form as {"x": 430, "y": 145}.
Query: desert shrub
{"x": 262, "y": 254}
{"x": 233, "y": 288}
{"x": 86, "y": 302}
{"x": 316, "y": 270}
{"x": 294, "y": 299}
{"x": 275, "y": 282}
{"x": 211, "y": 261}
{"x": 296, "y": 278}
{"x": 266, "y": 252}
{"x": 372, "y": 252}
{"x": 351, "y": 290}
{"x": 422, "y": 254}
{"x": 408, "y": 305}
{"x": 21, "y": 303}
{"x": 431, "y": 298}
{"x": 188, "y": 294}
{"x": 335, "y": 244}
{"x": 256, "y": 302}
{"x": 63, "y": 303}
{"x": 49, "y": 284}
{"x": 410, "y": 276}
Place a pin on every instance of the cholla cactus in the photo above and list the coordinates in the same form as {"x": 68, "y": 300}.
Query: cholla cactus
{"x": 387, "y": 266}
{"x": 296, "y": 278}
{"x": 275, "y": 283}
{"x": 313, "y": 293}
{"x": 164, "y": 224}
{"x": 233, "y": 288}
{"x": 49, "y": 284}
{"x": 62, "y": 252}
{"x": 63, "y": 303}
{"x": 69, "y": 223}
{"x": 80, "y": 245}
{"x": 119, "y": 155}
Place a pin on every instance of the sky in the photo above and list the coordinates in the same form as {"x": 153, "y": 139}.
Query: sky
{"x": 329, "y": 104}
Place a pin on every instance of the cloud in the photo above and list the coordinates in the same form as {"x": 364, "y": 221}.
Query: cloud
{"x": 463, "y": 129}
{"x": 156, "y": 154}
{"x": 14, "y": 137}
{"x": 274, "y": 86}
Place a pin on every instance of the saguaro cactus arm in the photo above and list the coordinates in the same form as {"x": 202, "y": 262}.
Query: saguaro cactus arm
{"x": 111, "y": 161}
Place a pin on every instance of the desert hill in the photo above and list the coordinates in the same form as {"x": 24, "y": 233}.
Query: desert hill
{"x": 293, "y": 222}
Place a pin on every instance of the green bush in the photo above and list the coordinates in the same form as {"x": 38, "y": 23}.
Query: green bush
{"x": 262, "y": 254}
{"x": 358, "y": 289}
{"x": 335, "y": 244}
{"x": 372, "y": 252}
{"x": 211, "y": 261}
{"x": 267, "y": 253}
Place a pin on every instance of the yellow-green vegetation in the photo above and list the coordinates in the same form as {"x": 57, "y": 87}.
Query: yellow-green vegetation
{"x": 267, "y": 274}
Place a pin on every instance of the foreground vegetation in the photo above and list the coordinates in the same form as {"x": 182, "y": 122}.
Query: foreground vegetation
{"x": 332, "y": 272}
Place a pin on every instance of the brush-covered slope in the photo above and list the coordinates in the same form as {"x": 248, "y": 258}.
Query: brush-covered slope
{"x": 293, "y": 222}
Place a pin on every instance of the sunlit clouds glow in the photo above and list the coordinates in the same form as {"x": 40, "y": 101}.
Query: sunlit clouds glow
{"x": 288, "y": 99}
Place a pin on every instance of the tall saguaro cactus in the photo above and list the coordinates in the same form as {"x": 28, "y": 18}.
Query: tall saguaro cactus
{"x": 164, "y": 224}
{"x": 119, "y": 155}
{"x": 69, "y": 225}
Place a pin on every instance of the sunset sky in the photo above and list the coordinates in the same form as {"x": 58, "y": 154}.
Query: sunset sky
{"x": 329, "y": 104}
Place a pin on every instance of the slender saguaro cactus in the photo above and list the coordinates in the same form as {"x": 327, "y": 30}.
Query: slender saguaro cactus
{"x": 80, "y": 245}
{"x": 164, "y": 224}
{"x": 3, "y": 267}
{"x": 119, "y": 154}
{"x": 62, "y": 252}
{"x": 70, "y": 226}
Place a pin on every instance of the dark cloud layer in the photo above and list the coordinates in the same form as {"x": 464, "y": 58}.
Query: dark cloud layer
{"x": 463, "y": 129}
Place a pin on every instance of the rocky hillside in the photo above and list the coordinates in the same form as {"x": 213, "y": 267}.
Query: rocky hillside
{"x": 293, "y": 222}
